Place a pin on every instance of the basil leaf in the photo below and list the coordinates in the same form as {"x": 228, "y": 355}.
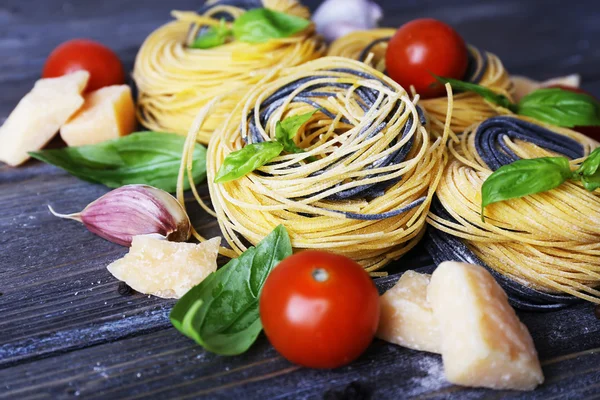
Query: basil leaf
{"x": 589, "y": 173}
{"x": 242, "y": 162}
{"x": 489, "y": 95}
{"x": 150, "y": 158}
{"x": 591, "y": 182}
{"x": 262, "y": 24}
{"x": 524, "y": 177}
{"x": 560, "y": 107}
{"x": 221, "y": 313}
{"x": 286, "y": 130}
{"x": 213, "y": 37}
{"x": 590, "y": 164}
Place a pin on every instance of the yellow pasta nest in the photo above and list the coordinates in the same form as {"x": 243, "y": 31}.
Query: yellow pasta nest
{"x": 175, "y": 81}
{"x": 370, "y": 46}
{"x": 364, "y": 183}
{"x": 548, "y": 241}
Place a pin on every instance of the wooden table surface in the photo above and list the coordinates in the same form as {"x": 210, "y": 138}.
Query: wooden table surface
{"x": 65, "y": 331}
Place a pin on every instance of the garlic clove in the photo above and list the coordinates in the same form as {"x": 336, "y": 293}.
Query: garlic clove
{"x": 133, "y": 210}
{"x": 336, "y": 18}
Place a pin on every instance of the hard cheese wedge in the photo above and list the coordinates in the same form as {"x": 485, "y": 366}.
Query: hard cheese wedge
{"x": 39, "y": 115}
{"x": 406, "y": 317}
{"x": 483, "y": 342}
{"x": 108, "y": 113}
{"x": 166, "y": 269}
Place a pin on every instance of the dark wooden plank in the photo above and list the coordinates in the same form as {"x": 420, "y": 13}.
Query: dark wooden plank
{"x": 57, "y": 294}
{"x": 165, "y": 365}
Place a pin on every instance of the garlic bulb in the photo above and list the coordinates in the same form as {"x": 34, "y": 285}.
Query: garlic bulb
{"x": 336, "y": 18}
{"x": 134, "y": 210}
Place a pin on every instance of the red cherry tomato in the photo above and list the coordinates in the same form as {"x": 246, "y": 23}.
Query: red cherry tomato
{"x": 319, "y": 309}
{"x": 590, "y": 131}
{"x": 102, "y": 63}
{"x": 424, "y": 46}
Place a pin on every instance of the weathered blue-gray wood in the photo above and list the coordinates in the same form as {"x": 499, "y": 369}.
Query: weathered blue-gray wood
{"x": 66, "y": 331}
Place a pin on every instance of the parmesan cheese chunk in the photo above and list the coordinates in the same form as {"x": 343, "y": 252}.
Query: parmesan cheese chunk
{"x": 483, "y": 342}
{"x": 166, "y": 269}
{"x": 39, "y": 115}
{"x": 108, "y": 113}
{"x": 406, "y": 317}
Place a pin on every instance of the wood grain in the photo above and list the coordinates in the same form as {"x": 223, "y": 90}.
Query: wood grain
{"x": 65, "y": 331}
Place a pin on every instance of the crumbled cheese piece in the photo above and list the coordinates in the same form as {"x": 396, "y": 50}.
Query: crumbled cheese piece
{"x": 406, "y": 317}
{"x": 166, "y": 269}
{"x": 483, "y": 342}
{"x": 39, "y": 115}
{"x": 108, "y": 113}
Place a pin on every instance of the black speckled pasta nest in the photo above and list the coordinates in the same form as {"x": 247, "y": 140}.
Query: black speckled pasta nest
{"x": 368, "y": 96}
{"x": 493, "y": 151}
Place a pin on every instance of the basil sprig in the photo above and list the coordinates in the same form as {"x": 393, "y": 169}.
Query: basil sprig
{"x": 484, "y": 92}
{"x": 286, "y": 130}
{"x": 213, "y": 36}
{"x": 221, "y": 313}
{"x": 560, "y": 107}
{"x": 262, "y": 24}
{"x": 530, "y": 176}
{"x": 250, "y": 157}
{"x": 589, "y": 172}
{"x": 150, "y": 158}
{"x": 253, "y": 156}
{"x": 551, "y": 105}
{"x": 258, "y": 25}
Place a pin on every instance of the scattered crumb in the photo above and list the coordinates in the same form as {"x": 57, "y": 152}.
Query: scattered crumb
{"x": 432, "y": 376}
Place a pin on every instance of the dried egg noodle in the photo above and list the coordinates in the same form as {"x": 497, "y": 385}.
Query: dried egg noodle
{"x": 378, "y": 162}
{"x": 484, "y": 69}
{"x": 545, "y": 248}
{"x": 175, "y": 81}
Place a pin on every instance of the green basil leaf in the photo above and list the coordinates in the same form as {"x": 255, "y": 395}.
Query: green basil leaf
{"x": 489, "y": 95}
{"x": 286, "y": 130}
{"x": 590, "y": 164}
{"x": 150, "y": 158}
{"x": 242, "y": 162}
{"x": 221, "y": 313}
{"x": 591, "y": 182}
{"x": 589, "y": 173}
{"x": 560, "y": 107}
{"x": 262, "y": 24}
{"x": 213, "y": 37}
{"x": 524, "y": 177}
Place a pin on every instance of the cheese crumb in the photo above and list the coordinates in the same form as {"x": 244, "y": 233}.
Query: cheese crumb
{"x": 406, "y": 316}
{"x": 166, "y": 269}
{"x": 483, "y": 342}
{"x": 39, "y": 115}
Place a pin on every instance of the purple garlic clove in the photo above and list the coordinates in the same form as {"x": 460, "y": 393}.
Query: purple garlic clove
{"x": 134, "y": 210}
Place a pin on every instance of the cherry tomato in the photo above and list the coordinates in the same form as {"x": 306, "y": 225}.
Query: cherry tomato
{"x": 424, "y": 46}
{"x": 319, "y": 309}
{"x": 590, "y": 131}
{"x": 102, "y": 63}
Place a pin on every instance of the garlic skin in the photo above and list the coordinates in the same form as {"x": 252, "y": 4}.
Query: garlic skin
{"x": 133, "y": 210}
{"x": 336, "y": 18}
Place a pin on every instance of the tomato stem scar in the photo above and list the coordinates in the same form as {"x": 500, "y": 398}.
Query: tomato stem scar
{"x": 320, "y": 275}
